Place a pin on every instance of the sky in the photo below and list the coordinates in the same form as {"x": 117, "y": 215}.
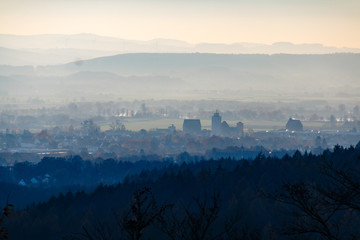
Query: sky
{"x": 329, "y": 22}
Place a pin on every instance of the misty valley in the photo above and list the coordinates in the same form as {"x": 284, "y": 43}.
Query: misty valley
{"x": 107, "y": 138}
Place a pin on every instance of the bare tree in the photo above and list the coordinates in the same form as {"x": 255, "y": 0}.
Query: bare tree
{"x": 196, "y": 221}
{"x": 342, "y": 185}
{"x": 4, "y": 233}
{"x": 117, "y": 125}
{"x": 142, "y": 213}
{"x": 313, "y": 212}
{"x": 99, "y": 231}
{"x": 328, "y": 209}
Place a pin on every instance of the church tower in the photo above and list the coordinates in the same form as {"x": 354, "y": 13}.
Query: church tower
{"x": 216, "y": 124}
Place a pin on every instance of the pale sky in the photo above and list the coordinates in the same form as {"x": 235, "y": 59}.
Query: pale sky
{"x": 329, "y": 22}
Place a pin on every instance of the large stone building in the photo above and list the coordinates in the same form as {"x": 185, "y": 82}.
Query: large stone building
{"x": 294, "y": 125}
{"x": 192, "y": 126}
{"x": 229, "y": 131}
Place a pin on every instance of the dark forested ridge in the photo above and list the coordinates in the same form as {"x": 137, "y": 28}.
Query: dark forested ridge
{"x": 303, "y": 196}
{"x": 28, "y": 182}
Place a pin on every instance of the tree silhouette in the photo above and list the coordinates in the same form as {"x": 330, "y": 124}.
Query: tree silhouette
{"x": 4, "y": 232}
{"x": 196, "y": 222}
{"x": 142, "y": 213}
{"x": 329, "y": 210}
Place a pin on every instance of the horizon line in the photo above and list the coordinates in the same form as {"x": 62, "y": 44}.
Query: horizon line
{"x": 179, "y": 40}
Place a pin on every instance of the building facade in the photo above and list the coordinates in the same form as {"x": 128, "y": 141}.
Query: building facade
{"x": 192, "y": 126}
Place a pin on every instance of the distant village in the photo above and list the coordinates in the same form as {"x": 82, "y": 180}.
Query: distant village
{"x": 222, "y": 140}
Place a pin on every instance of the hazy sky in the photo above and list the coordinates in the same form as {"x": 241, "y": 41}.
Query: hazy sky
{"x": 330, "y": 22}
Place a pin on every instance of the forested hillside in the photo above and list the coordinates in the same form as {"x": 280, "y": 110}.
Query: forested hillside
{"x": 304, "y": 195}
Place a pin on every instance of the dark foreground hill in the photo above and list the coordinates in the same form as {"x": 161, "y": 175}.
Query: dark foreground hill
{"x": 304, "y": 196}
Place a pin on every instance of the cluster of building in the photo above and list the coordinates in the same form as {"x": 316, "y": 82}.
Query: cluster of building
{"x": 223, "y": 129}
{"x": 218, "y": 127}
{"x": 92, "y": 143}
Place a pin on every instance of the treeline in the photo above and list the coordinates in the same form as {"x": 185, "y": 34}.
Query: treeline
{"x": 303, "y": 196}
{"x": 27, "y": 182}
{"x": 72, "y": 170}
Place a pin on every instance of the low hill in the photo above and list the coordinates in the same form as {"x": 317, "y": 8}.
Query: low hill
{"x": 285, "y": 74}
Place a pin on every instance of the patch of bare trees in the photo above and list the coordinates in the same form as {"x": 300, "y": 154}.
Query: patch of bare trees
{"x": 198, "y": 220}
{"x": 328, "y": 209}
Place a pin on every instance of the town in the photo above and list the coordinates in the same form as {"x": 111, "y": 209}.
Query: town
{"x": 219, "y": 140}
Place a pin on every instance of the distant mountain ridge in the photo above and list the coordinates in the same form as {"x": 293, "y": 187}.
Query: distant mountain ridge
{"x": 148, "y": 74}
{"x": 55, "y": 49}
